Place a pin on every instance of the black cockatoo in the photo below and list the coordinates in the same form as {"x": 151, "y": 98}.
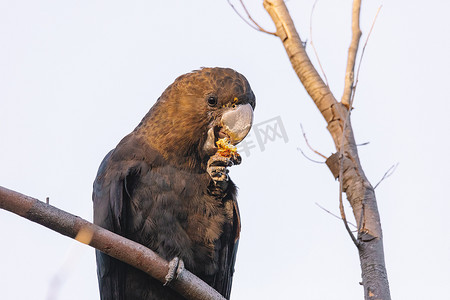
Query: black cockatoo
{"x": 166, "y": 187}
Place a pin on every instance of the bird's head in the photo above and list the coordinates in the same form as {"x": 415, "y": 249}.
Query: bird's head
{"x": 195, "y": 111}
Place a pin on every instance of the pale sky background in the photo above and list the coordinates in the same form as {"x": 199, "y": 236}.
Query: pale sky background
{"x": 77, "y": 76}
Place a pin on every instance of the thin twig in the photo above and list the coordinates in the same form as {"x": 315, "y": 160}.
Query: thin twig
{"x": 243, "y": 19}
{"x": 362, "y": 219}
{"x": 388, "y": 173}
{"x": 254, "y": 22}
{"x": 307, "y": 143}
{"x": 314, "y": 161}
{"x": 254, "y": 25}
{"x": 336, "y": 216}
{"x": 342, "y": 210}
{"x": 341, "y": 171}
{"x": 312, "y": 43}
{"x": 364, "y": 49}
{"x": 363, "y": 144}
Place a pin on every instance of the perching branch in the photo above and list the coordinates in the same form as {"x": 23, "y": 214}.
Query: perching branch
{"x": 132, "y": 253}
{"x": 344, "y": 164}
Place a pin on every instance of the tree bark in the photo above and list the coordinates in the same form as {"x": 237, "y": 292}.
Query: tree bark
{"x": 132, "y": 253}
{"x": 354, "y": 183}
{"x": 352, "y": 52}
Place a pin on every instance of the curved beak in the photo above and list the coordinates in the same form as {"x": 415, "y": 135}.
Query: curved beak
{"x": 237, "y": 122}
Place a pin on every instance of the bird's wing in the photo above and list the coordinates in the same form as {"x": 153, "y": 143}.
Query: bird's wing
{"x": 229, "y": 242}
{"x": 111, "y": 198}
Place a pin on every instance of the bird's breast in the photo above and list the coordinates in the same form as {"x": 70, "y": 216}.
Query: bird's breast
{"x": 173, "y": 214}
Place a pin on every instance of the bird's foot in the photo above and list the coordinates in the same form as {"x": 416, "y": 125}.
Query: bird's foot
{"x": 217, "y": 169}
{"x": 176, "y": 265}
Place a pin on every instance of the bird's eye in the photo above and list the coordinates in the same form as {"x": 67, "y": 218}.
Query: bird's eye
{"x": 212, "y": 101}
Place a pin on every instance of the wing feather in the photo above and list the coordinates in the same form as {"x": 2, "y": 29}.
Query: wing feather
{"x": 229, "y": 244}
{"x": 111, "y": 197}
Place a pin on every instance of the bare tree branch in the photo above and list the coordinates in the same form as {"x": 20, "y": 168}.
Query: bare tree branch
{"x": 341, "y": 181}
{"x": 132, "y": 253}
{"x": 352, "y": 52}
{"x": 312, "y": 43}
{"x": 353, "y": 181}
{"x": 308, "y": 75}
{"x": 347, "y": 101}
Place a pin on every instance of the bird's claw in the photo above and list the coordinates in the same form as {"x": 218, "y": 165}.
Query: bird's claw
{"x": 219, "y": 160}
{"x": 176, "y": 265}
{"x": 217, "y": 168}
{"x": 218, "y": 173}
